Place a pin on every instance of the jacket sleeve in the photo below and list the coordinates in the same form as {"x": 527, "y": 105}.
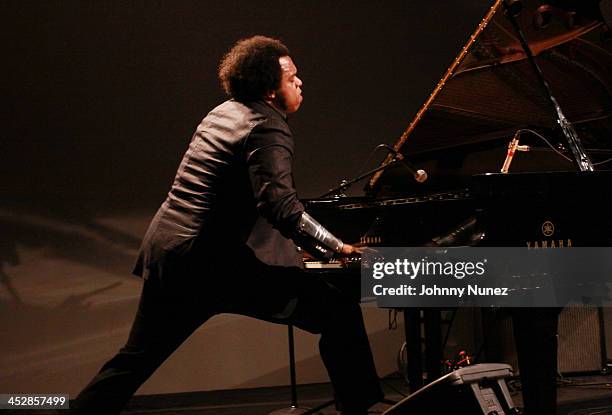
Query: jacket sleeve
{"x": 269, "y": 158}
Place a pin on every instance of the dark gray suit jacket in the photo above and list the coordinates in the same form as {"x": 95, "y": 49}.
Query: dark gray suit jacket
{"x": 233, "y": 195}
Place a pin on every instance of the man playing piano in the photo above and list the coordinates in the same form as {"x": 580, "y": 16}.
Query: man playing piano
{"x": 222, "y": 241}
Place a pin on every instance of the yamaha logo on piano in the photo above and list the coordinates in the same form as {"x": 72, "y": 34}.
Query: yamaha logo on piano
{"x": 548, "y": 230}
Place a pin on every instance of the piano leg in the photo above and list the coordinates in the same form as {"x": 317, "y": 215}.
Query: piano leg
{"x": 535, "y": 334}
{"x": 414, "y": 345}
{"x": 433, "y": 343}
{"x": 412, "y": 331}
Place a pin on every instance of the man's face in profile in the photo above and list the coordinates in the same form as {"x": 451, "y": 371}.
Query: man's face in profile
{"x": 288, "y": 96}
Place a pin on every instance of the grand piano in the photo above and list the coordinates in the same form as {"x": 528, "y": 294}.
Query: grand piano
{"x": 530, "y": 92}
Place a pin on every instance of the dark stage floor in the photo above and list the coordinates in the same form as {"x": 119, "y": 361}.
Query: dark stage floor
{"x": 585, "y": 395}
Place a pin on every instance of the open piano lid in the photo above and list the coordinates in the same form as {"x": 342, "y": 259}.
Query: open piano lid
{"x": 490, "y": 91}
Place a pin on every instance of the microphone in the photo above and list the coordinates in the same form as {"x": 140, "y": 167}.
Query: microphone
{"x": 513, "y": 146}
{"x": 420, "y": 175}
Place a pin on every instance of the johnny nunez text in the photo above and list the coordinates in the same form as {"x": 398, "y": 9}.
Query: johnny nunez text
{"x": 424, "y": 290}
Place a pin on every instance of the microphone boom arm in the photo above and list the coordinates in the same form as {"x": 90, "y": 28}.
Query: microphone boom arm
{"x": 419, "y": 175}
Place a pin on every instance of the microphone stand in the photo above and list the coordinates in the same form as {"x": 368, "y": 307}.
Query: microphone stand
{"x": 344, "y": 184}
{"x": 580, "y": 158}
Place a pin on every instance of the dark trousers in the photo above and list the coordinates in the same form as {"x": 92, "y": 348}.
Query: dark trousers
{"x": 169, "y": 312}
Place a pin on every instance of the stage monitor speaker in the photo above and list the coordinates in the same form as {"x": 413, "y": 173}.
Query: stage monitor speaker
{"x": 585, "y": 340}
{"x": 607, "y": 325}
{"x": 580, "y": 340}
{"x": 472, "y": 390}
